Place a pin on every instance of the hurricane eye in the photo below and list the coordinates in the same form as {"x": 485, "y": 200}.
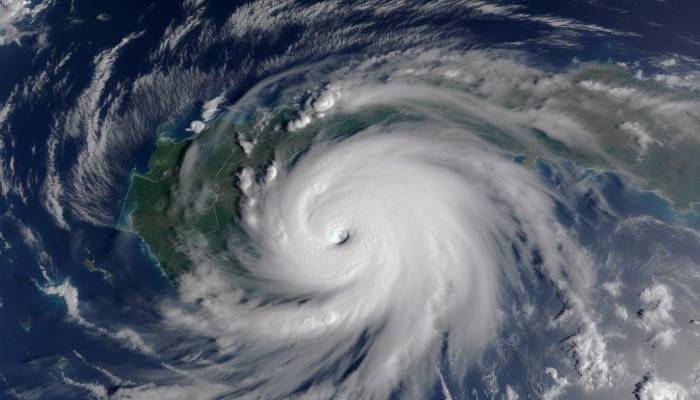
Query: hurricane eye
{"x": 338, "y": 236}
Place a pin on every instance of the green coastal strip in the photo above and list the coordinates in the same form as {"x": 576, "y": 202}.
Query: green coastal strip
{"x": 191, "y": 190}
{"x": 164, "y": 209}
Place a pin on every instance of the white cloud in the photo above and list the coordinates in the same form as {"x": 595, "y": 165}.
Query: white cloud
{"x": 201, "y": 391}
{"x": 291, "y": 218}
{"x": 445, "y": 389}
{"x": 689, "y": 80}
{"x": 613, "y": 288}
{"x": 669, "y": 62}
{"x": 86, "y": 117}
{"x": 69, "y": 294}
{"x": 174, "y": 34}
{"x": 12, "y": 11}
{"x": 52, "y": 189}
{"x": 621, "y": 312}
{"x": 657, "y": 305}
{"x": 559, "y": 387}
{"x": 211, "y": 107}
{"x": 317, "y": 107}
{"x": 114, "y": 380}
{"x": 619, "y": 92}
{"x": 197, "y": 126}
{"x": 642, "y": 136}
{"x": 96, "y": 390}
{"x": 657, "y": 389}
{"x": 591, "y": 358}
{"x": 511, "y": 394}
{"x": 516, "y": 97}
{"x": 517, "y": 13}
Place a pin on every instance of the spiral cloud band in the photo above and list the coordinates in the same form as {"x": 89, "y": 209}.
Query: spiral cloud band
{"x": 379, "y": 251}
{"x": 380, "y": 261}
{"x": 283, "y": 199}
{"x": 401, "y": 226}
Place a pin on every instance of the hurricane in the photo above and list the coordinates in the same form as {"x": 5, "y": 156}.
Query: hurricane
{"x": 332, "y": 200}
{"x": 372, "y": 254}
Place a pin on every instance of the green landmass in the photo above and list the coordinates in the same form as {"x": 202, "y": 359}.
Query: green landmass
{"x": 670, "y": 164}
{"x": 154, "y": 205}
{"x": 61, "y": 363}
{"x": 165, "y": 209}
{"x": 90, "y": 265}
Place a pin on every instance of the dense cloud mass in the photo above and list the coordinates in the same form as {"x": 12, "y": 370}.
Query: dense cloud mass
{"x": 395, "y": 241}
{"x": 415, "y": 211}
{"x": 404, "y": 249}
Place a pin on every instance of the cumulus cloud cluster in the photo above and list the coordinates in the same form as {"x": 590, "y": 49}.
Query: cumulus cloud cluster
{"x": 10, "y": 12}
{"x": 13, "y": 17}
